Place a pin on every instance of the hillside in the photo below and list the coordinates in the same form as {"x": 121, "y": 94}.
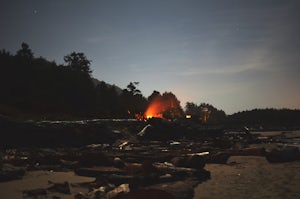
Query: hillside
{"x": 266, "y": 118}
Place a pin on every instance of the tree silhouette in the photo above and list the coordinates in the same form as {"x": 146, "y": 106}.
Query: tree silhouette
{"x": 192, "y": 109}
{"x": 155, "y": 94}
{"x": 173, "y": 109}
{"x": 37, "y": 87}
{"x": 266, "y": 117}
{"x": 206, "y": 112}
{"x": 25, "y": 52}
{"x": 131, "y": 88}
{"x": 78, "y": 62}
{"x": 132, "y": 101}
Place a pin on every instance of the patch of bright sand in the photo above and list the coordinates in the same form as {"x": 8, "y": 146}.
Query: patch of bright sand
{"x": 251, "y": 177}
{"x": 39, "y": 179}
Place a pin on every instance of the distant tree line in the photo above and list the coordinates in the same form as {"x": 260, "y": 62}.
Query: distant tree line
{"x": 205, "y": 113}
{"x": 266, "y": 117}
{"x": 257, "y": 118}
{"x": 35, "y": 87}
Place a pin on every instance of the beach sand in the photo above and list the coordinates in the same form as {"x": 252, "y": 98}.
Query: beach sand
{"x": 40, "y": 180}
{"x": 251, "y": 177}
{"x": 242, "y": 177}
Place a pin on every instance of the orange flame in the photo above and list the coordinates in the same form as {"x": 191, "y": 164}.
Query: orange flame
{"x": 160, "y": 104}
{"x": 155, "y": 109}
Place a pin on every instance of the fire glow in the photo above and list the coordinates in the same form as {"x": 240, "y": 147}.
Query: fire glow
{"x": 155, "y": 109}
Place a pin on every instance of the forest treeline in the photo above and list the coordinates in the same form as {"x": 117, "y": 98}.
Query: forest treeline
{"x": 36, "y": 87}
{"x": 266, "y": 117}
{"x": 33, "y": 87}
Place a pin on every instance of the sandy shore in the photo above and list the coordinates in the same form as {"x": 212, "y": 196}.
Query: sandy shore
{"x": 251, "y": 177}
{"x": 40, "y": 180}
{"x": 241, "y": 177}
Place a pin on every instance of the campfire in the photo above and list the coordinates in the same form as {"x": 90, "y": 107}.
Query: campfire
{"x": 164, "y": 106}
{"x": 155, "y": 109}
{"x": 159, "y": 106}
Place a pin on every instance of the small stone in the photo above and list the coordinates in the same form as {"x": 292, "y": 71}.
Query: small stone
{"x": 196, "y": 162}
{"x": 118, "y": 162}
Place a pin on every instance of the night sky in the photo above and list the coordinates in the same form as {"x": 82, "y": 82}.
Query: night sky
{"x": 234, "y": 54}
